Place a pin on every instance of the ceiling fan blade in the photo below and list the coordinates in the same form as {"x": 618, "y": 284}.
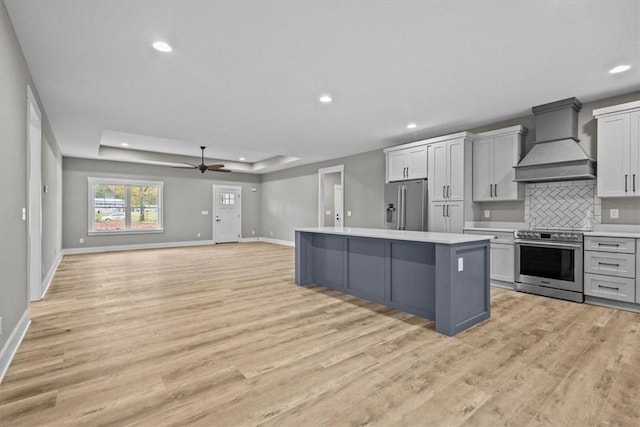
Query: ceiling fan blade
{"x": 220, "y": 170}
{"x": 216, "y": 166}
{"x": 186, "y": 167}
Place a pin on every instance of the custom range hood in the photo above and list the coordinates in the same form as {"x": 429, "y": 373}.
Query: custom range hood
{"x": 556, "y": 155}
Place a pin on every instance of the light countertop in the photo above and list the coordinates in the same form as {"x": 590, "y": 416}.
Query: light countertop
{"x": 630, "y": 235}
{"x": 414, "y": 236}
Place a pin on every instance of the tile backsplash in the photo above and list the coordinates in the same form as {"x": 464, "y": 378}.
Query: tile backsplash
{"x": 564, "y": 204}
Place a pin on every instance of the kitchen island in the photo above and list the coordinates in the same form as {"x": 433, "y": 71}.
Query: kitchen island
{"x": 439, "y": 276}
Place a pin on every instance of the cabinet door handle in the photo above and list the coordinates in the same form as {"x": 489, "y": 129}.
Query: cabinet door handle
{"x": 444, "y": 189}
{"x": 609, "y": 287}
{"x": 448, "y": 210}
{"x": 495, "y": 190}
{"x": 448, "y": 191}
{"x": 443, "y": 210}
{"x": 625, "y": 183}
{"x": 633, "y": 181}
{"x": 490, "y": 190}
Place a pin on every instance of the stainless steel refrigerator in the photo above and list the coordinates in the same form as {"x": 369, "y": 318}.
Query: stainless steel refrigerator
{"x": 406, "y": 205}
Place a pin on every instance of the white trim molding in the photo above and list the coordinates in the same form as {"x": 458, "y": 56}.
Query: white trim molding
{"x": 13, "y": 343}
{"x": 278, "y": 241}
{"x": 115, "y": 248}
{"x": 46, "y": 283}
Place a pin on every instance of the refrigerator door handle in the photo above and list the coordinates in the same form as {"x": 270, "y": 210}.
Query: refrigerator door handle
{"x": 402, "y": 217}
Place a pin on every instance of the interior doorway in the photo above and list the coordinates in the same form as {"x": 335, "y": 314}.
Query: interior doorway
{"x": 331, "y": 196}
{"x": 34, "y": 206}
{"x": 227, "y": 213}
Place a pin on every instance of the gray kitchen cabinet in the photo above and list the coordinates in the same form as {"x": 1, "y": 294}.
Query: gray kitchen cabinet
{"x": 619, "y": 150}
{"x": 406, "y": 163}
{"x": 610, "y": 268}
{"x": 502, "y": 255}
{"x": 495, "y": 153}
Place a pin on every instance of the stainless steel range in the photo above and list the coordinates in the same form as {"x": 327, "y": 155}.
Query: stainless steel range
{"x": 549, "y": 263}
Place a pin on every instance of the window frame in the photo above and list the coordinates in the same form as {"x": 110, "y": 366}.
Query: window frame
{"x": 127, "y": 183}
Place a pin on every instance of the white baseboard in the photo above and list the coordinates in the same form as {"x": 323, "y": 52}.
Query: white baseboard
{"x": 46, "y": 283}
{"x": 249, "y": 239}
{"x": 13, "y": 343}
{"x": 278, "y": 241}
{"x": 114, "y": 248}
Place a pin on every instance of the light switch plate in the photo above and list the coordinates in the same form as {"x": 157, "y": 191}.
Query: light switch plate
{"x": 460, "y": 264}
{"x": 205, "y": 212}
{"x": 348, "y": 213}
{"x": 614, "y": 213}
{"x": 487, "y": 213}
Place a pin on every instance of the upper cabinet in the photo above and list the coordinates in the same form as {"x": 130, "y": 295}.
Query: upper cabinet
{"x": 446, "y": 170}
{"x": 495, "y": 153}
{"x": 619, "y": 150}
{"x": 406, "y": 163}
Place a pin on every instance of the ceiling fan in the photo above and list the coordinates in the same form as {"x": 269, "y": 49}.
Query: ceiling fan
{"x": 202, "y": 167}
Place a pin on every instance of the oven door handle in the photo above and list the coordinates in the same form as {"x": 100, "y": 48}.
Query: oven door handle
{"x": 549, "y": 244}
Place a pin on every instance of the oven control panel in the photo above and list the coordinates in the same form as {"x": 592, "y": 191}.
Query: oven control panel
{"x": 558, "y": 236}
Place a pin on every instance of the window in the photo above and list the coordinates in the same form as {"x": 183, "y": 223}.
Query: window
{"x": 123, "y": 206}
{"x": 227, "y": 199}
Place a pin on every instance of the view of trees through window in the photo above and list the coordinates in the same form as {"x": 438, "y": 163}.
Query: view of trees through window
{"x": 126, "y": 207}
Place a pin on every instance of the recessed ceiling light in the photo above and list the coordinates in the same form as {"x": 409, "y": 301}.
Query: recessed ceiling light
{"x": 162, "y": 47}
{"x": 242, "y": 159}
{"x": 619, "y": 69}
{"x": 124, "y": 144}
{"x": 325, "y": 99}
{"x": 412, "y": 126}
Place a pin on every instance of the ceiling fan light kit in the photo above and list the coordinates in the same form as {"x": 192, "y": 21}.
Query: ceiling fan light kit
{"x": 202, "y": 167}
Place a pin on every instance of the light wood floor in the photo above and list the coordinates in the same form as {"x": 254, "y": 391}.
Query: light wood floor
{"x": 222, "y": 336}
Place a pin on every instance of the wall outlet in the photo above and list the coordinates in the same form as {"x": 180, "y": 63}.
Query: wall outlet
{"x": 205, "y": 212}
{"x": 327, "y": 212}
{"x": 348, "y": 213}
{"x": 271, "y": 233}
{"x": 487, "y": 213}
{"x": 460, "y": 264}
{"x": 613, "y": 213}
{"x": 198, "y": 235}
{"x": 253, "y": 190}
{"x": 81, "y": 240}
{"x": 253, "y": 232}
{"x": 24, "y": 214}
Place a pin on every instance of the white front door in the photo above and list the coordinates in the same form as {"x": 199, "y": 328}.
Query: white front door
{"x": 227, "y": 213}
{"x": 338, "y": 205}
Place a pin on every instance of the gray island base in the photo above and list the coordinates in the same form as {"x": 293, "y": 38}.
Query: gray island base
{"x": 442, "y": 277}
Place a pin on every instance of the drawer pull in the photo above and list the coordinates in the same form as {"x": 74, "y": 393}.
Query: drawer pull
{"x": 609, "y": 263}
{"x": 545, "y": 282}
{"x": 609, "y": 287}
{"x": 609, "y": 244}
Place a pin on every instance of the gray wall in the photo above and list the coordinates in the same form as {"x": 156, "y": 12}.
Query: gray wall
{"x": 186, "y": 194}
{"x": 51, "y": 201}
{"x": 14, "y": 78}
{"x": 587, "y": 132}
{"x": 290, "y": 197}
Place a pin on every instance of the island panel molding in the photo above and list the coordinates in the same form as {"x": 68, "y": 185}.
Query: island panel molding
{"x": 441, "y": 277}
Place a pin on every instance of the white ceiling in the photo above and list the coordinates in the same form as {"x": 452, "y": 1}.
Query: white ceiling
{"x": 244, "y": 77}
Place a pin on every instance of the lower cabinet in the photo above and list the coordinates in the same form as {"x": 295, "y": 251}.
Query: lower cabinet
{"x": 610, "y": 268}
{"x": 502, "y": 262}
{"x": 446, "y": 217}
{"x": 502, "y": 255}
